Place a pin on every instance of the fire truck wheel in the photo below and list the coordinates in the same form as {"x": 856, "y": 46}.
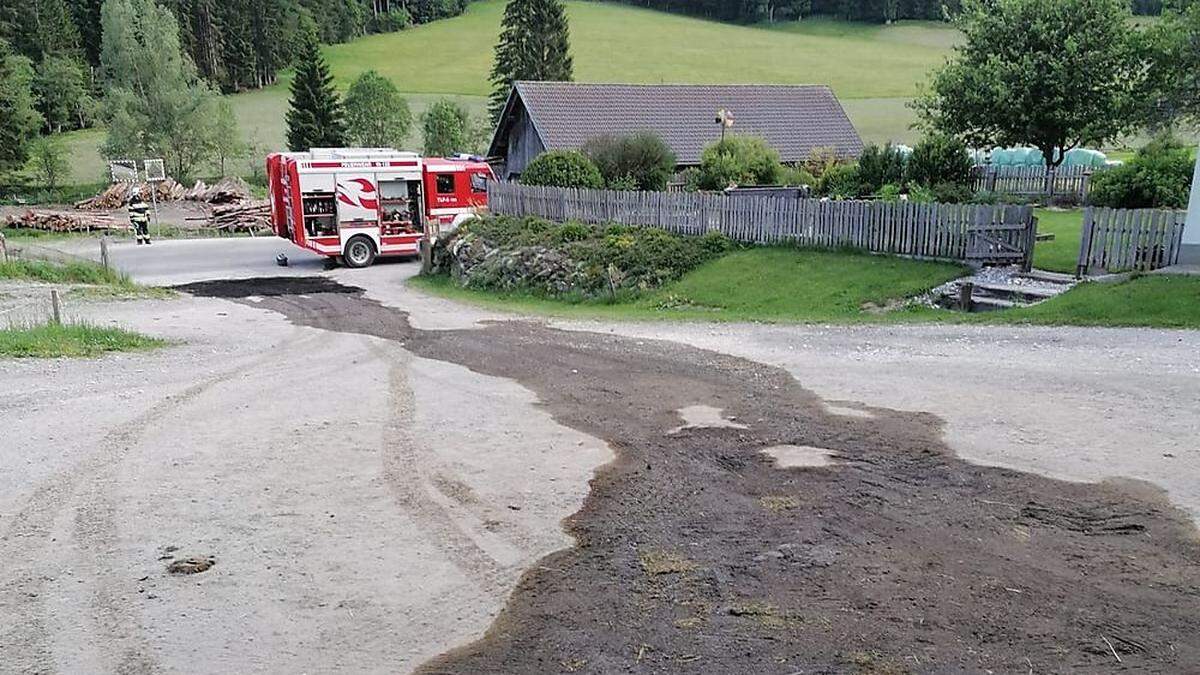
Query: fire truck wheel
{"x": 360, "y": 252}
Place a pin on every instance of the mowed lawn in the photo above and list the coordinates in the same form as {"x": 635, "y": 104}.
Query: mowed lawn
{"x": 874, "y": 69}
{"x": 773, "y": 284}
{"x": 1061, "y": 254}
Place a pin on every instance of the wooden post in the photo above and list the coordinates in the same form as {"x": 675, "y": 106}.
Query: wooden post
{"x": 426, "y": 256}
{"x": 964, "y": 296}
{"x": 3, "y": 249}
{"x": 104, "y": 261}
{"x": 56, "y": 306}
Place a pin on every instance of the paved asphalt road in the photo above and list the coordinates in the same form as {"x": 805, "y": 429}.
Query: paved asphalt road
{"x": 176, "y": 261}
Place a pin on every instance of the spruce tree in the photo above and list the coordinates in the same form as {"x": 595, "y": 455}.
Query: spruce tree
{"x": 316, "y": 118}
{"x": 534, "y": 45}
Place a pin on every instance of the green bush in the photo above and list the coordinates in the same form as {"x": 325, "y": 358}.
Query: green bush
{"x": 889, "y": 193}
{"x": 947, "y": 192}
{"x": 939, "y": 159}
{"x": 919, "y": 194}
{"x": 641, "y": 161}
{"x": 878, "y": 167}
{"x": 519, "y": 251}
{"x": 563, "y": 168}
{"x": 840, "y": 182}
{"x": 691, "y": 177}
{"x": 1158, "y": 176}
{"x": 739, "y": 160}
{"x": 796, "y": 175}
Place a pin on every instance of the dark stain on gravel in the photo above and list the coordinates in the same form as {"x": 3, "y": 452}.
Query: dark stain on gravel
{"x": 696, "y": 554}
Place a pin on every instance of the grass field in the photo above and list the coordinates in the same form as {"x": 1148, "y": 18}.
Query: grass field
{"x": 75, "y": 340}
{"x": 874, "y": 69}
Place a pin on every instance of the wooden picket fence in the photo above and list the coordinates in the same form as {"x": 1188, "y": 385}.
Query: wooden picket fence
{"x": 1035, "y": 181}
{"x": 977, "y": 234}
{"x": 1118, "y": 240}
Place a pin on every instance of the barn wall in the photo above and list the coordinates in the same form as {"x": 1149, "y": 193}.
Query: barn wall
{"x": 523, "y": 143}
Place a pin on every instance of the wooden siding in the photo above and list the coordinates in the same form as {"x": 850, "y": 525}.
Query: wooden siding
{"x": 523, "y": 144}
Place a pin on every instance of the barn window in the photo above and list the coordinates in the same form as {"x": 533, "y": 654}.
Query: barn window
{"x": 445, "y": 183}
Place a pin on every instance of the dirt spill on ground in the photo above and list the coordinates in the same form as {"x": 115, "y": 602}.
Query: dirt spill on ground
{"x": 696, "y": 554}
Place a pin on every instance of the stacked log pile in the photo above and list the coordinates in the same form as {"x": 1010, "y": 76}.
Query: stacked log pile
{"x": 116, "y": 196}
{"x": 253, "y": 217}
{"x": 225, "y": 191}
{"x": 65, "y": 221}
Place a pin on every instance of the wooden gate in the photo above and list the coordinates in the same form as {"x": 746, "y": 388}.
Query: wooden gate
{"x": 1003, "y": 236}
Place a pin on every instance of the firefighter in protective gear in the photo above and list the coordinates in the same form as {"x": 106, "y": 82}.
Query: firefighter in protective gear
{"x": 139, "y": 216}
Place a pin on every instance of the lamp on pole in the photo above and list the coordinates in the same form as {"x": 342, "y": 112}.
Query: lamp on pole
{"x": 725, "y": 121}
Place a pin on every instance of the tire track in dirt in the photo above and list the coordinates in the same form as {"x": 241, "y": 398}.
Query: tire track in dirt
{"x": 405, "y": 460}
{"x": 23, "y": 547}
{"x": 695, "y": 553}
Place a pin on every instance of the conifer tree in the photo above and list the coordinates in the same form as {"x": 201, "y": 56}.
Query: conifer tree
{"x": 316, "y": 118}
{"x": 534, "y": 45}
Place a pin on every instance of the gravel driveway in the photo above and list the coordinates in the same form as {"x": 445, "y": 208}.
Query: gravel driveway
{"x": 370, "y": 505}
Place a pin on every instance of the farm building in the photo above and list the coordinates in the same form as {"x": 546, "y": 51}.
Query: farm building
{"x": 794, "y": 119}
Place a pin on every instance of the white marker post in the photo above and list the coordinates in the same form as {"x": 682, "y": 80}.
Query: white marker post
{"x": 156, "y": 172}
{"x": 1190, "y": 253}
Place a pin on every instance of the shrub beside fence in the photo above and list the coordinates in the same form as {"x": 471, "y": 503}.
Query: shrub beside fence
{"x": 973, "y": 233}
{"x": 1035, "y": 181}
{"x": 1118, "y": 240}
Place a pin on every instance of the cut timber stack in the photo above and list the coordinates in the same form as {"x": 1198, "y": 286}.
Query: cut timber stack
{"x": 64, "y": 221}
{"x": 117, "y": 195}
{"x": 252, "y": 217}
{"x": 225, "y": 191}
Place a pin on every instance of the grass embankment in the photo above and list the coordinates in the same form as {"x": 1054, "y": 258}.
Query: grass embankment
{"x": 762, "y": 284}
{"x": 795, "y": 286}
{"x": 1150, "y": 301}
{"x": 89, "y": 279}
{"x": 74, "y": 340}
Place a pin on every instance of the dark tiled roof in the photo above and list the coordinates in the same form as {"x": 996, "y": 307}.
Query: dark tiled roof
{"x": 794, "y": 119}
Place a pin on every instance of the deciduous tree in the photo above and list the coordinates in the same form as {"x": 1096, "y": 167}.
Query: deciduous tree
{"x": 446, "y": 129}
{"x": 376, "y": 115}
{"x": 1054, "y": 75}
{"x": 154, "y": 104}
{"x": 19, "y": 119}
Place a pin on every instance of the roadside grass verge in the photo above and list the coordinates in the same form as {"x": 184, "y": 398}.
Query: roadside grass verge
{"x": 760, "y": 284}
{"x": 70, "y": 340}
{"x": 93, "y": 281}
{"x": 1149, "y": 301}
{"x": 62, "y": 273}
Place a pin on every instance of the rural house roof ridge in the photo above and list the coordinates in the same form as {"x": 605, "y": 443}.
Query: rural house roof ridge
{"x": 794, "y": 118}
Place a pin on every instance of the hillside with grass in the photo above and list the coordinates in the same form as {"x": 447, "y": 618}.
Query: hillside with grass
{"x": 873, "y": 69}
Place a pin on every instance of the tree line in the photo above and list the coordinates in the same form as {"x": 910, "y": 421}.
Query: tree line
{"x": 879, "y": 11}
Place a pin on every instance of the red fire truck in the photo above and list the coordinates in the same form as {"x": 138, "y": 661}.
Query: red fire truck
{"x": 354, "y": 204}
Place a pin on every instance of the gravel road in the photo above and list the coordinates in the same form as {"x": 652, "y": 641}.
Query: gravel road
{"x": 371, "y": 504}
